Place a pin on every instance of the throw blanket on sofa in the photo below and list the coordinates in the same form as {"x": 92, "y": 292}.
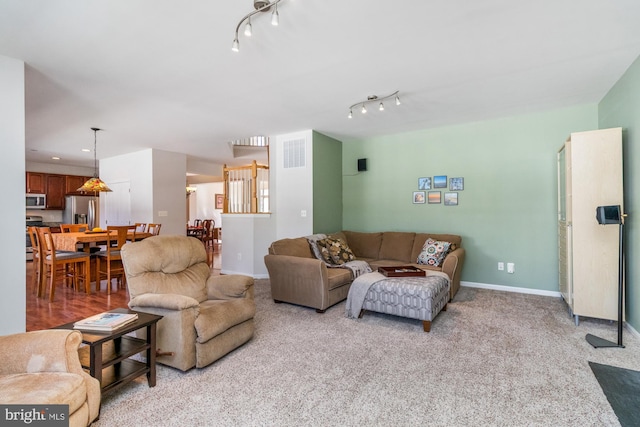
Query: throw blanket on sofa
{"x": 360, "y": 287}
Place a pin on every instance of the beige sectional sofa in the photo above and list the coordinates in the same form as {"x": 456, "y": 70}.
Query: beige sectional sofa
{"x": 298, "y": 277}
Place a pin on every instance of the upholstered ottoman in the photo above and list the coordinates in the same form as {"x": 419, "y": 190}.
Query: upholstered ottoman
{"x": 419, "y": 298}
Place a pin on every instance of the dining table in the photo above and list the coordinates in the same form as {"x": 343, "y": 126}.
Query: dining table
{"x": 70, "y": 241}
{"x": 195, "y": 231}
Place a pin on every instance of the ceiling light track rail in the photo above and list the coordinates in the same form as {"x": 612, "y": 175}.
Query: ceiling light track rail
{"x": 374, "y": 98}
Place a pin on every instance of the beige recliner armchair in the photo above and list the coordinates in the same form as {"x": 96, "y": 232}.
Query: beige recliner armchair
{"x": 205, "y": 316}
{"x": 43, "y": 368}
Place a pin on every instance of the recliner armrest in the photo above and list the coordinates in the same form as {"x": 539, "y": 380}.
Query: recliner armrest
{"x": 166, "y": 301}
{"x": 229, "y": 286}
{"x": 50, "y": 350}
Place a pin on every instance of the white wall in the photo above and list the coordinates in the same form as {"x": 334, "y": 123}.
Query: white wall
{"x": 169, "y": 183}
{"x": 294, "y": 188}
{"x": 246, "y": 238}
{"x": 58, "y": 168}
{"x": 157, "y": 186}
{"x": 12, "y": 169}
{"x": 202, "y": 203}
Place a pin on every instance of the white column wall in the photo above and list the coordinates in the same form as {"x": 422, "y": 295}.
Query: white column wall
{"x": 12, "y": 168}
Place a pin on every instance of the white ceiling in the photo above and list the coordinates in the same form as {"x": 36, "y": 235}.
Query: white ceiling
{"x": 161, "y": 73}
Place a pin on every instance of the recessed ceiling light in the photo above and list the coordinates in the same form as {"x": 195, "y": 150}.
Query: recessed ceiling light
{"x": 55, "y": 158}
{"x": 86, "y": 150}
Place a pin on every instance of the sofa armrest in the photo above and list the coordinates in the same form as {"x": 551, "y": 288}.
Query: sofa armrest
{"x": 51, "y": 350}
{"x": 230, "y": 286}
{"x": 166, "y": 301}
{"x": 298, "y": 280}
{"x": 452, "y": 265}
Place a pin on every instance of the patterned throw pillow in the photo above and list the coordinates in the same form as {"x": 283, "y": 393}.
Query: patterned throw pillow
{"x": 434, "y": 252}
{"x": 335, "y": 251}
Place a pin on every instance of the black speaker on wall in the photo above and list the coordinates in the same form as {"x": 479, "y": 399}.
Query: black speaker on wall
{"x": 362, "y": 165}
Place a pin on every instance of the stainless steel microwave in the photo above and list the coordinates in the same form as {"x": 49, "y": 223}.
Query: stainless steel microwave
{"x": 36, "y": 201}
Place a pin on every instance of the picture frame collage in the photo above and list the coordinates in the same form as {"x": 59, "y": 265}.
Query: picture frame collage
{"x": 428, "y": 190}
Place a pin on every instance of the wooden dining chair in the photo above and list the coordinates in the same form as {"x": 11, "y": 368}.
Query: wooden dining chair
{"x": 37, "y": 260}
{"x": 141, "y": 227}
{"x": 75, "y": 264}
{"x": 109, "y": 262}
{"x": 153, "y": 229}
{"x": 207, "y": 236}
{"x": 73, "y": 228}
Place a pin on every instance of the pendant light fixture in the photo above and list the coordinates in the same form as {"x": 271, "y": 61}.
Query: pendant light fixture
{"x": 374, "y": 98}
{"x": 95, "y": 184}
{"x": 259, "y": 6}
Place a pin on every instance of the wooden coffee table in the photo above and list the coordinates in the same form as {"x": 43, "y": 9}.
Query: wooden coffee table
{"x": 107, "y": 355}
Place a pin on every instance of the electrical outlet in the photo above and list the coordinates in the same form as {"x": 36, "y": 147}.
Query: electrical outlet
{"x": 501, "y": 266}
{"x": 239, "y": 256}
{"x": 303, "y": 213}
{"x": 511, "y": 267}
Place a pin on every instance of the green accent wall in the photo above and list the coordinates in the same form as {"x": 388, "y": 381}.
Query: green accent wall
{"x": 327, "y": 184}
{"x": 621, "y": 108}
{"x": 508, "y": 209}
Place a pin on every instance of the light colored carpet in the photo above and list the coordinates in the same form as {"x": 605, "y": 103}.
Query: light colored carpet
{"x": 493, "y": 358}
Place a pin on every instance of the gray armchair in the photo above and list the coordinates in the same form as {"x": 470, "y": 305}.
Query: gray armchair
{"x": 205, "y": 316}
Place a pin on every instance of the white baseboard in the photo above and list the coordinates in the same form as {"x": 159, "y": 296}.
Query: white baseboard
{"x": 511, "y": 289}
{"x": 255, "y": 276}
{"x": 632, "y": 330}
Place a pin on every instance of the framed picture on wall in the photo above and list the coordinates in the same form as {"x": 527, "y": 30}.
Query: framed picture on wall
{"x": 434, "y": 196}
{"x": 450, "y": 199}
{"x": 440, "y": 181}
{"x": 424, "y": 183}
{"x": 419, "y": 197}
{"x": 456, "y": 184}
{"x": 219, "y": 201}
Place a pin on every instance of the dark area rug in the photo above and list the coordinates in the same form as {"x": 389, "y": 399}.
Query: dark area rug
{"x": 622, "y": 388}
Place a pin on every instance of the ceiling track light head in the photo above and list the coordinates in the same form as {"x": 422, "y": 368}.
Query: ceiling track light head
{"x": 374, "y": 98}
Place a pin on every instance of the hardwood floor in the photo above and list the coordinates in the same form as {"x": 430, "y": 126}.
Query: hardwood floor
{"x": 70, "y": 305}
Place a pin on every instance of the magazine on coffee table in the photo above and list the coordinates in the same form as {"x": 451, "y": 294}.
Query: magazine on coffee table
{"x": 107, "y": 321}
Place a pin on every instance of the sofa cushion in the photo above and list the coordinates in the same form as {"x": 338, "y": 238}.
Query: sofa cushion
{"x": 421, "y": 238}
{"x": 433, "y": 252}
{"x": 364, "y": 245}
{"x": 44, "y": 388}
{"x": 293, "y": 247}
{"x": 397, "y": 245}
{"x": 338, "y": 277}
{"x": 335, "y": 251}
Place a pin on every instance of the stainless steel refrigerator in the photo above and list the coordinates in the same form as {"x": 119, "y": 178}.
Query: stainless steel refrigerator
{"x": 80, "y": 210}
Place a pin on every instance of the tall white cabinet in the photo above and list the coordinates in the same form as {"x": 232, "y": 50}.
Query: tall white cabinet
{"x": 589, "y": 175}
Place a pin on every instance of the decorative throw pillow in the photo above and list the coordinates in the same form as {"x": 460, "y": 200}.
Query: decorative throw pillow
{"x": 433, "y": 252}
{"x": 335, "y": 251}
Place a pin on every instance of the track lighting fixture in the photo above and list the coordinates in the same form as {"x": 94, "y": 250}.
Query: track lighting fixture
{"x": 259, "y": 6}
{"x": 374, "y": 98}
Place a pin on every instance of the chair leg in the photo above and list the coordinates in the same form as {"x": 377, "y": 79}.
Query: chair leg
{"x": 52, "y": 283}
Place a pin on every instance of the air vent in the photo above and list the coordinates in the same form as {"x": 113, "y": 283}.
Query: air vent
{"x": 294, "y": 154}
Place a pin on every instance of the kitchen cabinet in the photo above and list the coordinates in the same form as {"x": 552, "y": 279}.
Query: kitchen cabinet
{"x": 73, "y": 182}
{"x": 55, "y": 191}
{"x": 36, "y": 183}
{"x": 55, "y": 186}
{"x": 589, "y": 175}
